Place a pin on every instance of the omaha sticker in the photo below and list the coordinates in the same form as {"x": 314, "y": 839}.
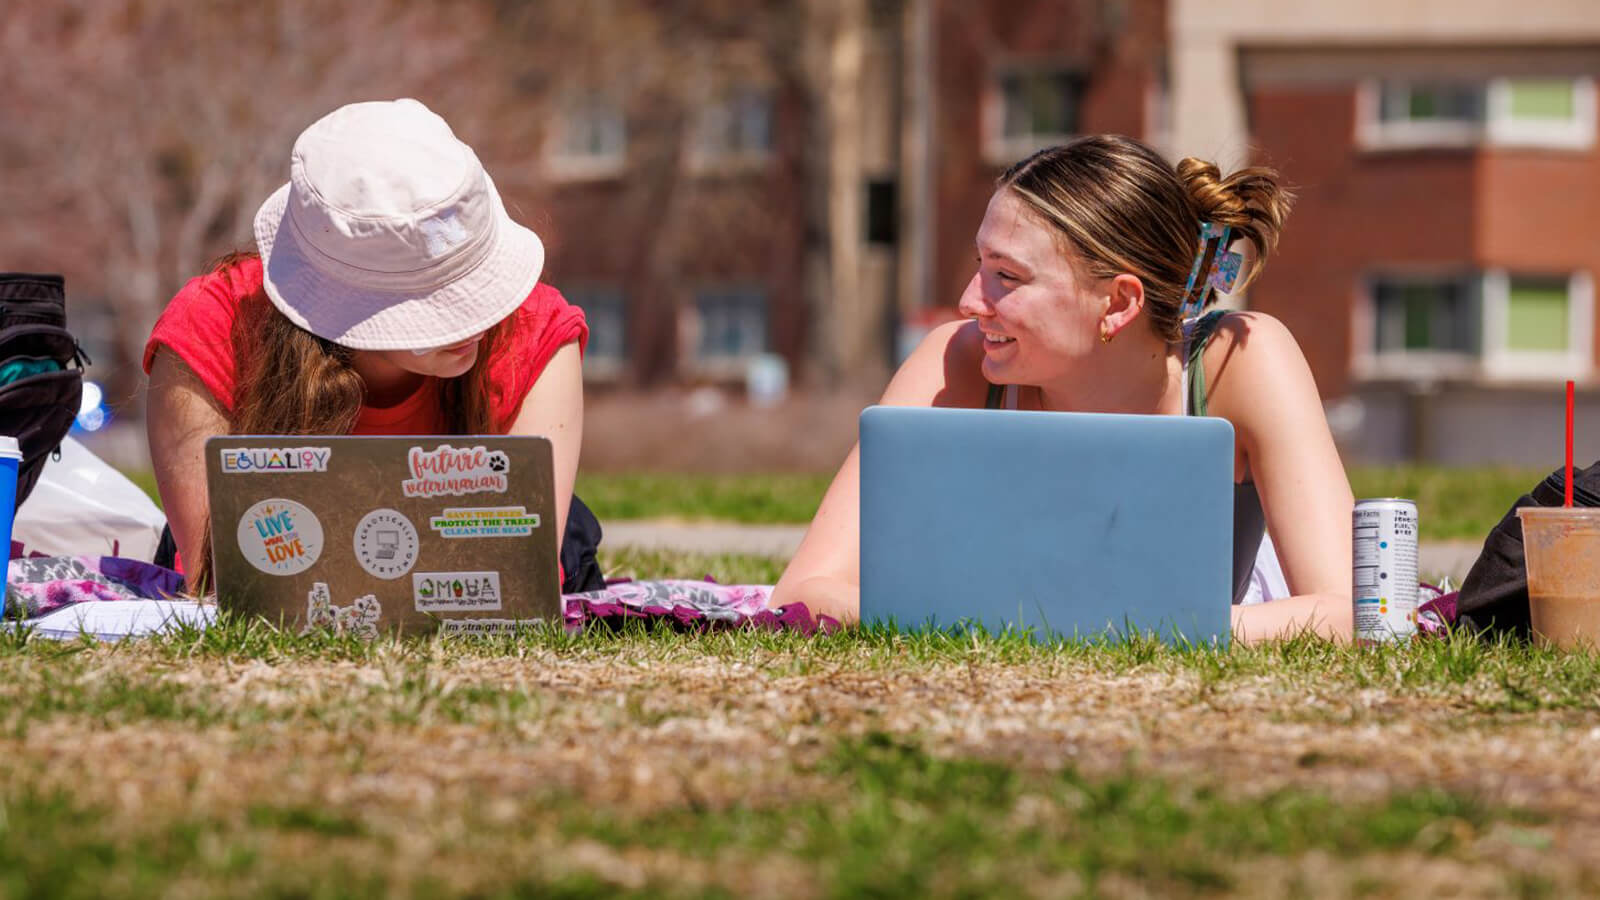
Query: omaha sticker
{"x": 386, "y": 543}
{"x": 485, "y": 522}
{"x": 275, "y": 459}
{"x": 456, "y": 591}
{"x": 280, "y": 537}
{"x": 455, "y": 471}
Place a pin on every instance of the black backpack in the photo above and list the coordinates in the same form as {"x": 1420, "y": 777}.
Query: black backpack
{"x": 1494, "y": 597}
{"x": 38, "y": 408}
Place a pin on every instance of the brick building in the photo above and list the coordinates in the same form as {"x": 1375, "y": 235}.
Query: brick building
{"x": 1439, "y": 266}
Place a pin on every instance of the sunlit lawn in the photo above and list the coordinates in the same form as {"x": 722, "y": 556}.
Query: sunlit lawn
{"x": 248, "y": 761}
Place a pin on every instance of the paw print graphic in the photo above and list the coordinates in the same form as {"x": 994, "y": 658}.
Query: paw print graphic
{"x": 497, "y": 462}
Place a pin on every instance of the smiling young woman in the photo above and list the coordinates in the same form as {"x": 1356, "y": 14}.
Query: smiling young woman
{"x": 1095, "y": 263}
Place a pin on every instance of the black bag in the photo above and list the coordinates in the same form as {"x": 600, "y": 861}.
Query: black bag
{"x": 1494, "y": 598}
{"x": 37, "y": 409}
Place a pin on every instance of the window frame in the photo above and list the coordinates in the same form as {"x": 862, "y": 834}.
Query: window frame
{"x": 1501, "y": 362}
{"x": 1002, "y": 150}
{"x": 1493, "y": 361}
{"x": 1498, "y": 128}
{"x": 704, "y": 161}
{"x": 563, "y": 165}
{"x": 722, "y": 365}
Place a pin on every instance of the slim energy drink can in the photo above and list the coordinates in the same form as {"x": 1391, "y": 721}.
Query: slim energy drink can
{"x": 1385, "y": 570}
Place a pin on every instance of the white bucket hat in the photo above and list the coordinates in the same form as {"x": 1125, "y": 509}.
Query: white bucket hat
{"x": 390, "y": 235}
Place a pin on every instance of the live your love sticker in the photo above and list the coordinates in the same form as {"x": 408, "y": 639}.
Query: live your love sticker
{"x": 275, "y": 459}
{"x": 280, "y": 537}
{"x": 455, "y": 471}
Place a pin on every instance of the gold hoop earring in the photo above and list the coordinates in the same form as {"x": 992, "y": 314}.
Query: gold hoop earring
{"x": 1105, "y": 337}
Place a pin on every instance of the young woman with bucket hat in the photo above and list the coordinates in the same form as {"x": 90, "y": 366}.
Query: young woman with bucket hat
{"x": 389, "y": 293}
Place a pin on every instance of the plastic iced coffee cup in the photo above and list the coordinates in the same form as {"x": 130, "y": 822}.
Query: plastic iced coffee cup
{"x": 10, "y": 461}
{"x": 1561, "y": 547}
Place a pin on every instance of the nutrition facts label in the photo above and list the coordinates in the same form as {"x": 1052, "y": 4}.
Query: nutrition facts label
{"x": 1385, "y": 570}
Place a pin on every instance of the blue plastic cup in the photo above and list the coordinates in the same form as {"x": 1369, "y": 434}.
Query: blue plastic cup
{"x": 10, "y": 461}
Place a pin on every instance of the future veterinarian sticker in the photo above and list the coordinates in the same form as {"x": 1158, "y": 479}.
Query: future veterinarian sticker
{"x": 280, "y": 537}
{"x": 456, "y": 591}
{"x": 485, "y": 522}
{"x": 275, "y": 459}
{"x": 455, "y": 471}
{"x": 386, "y": 543}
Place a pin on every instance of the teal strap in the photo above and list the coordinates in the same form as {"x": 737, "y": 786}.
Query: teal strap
{"x": 996, "y": 398}
{"x": 1202, "y": 333}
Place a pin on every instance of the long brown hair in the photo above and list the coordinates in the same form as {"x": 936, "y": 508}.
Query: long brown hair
{"x": 289, "y": 381}
{"x": 1123, "y": 208}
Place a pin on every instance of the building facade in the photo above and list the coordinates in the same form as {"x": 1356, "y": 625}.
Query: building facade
{"x": 1438, "y": 268}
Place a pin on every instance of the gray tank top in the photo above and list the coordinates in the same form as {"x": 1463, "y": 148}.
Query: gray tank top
{"x": 1249, "y": 523}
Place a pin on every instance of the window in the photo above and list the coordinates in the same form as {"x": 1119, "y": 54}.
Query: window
{"x": 1538, "y": 314}
{"x": 1538, "y": 324}
{"x": 731, "y": 324}
{"x": 735, "y": 128}
{"x": 607, "y": 313}
{"x": 1540, "y": 112}
{"x": 1032, "y": 109}
{"x": 589, "y": 140}
{"x": 1428, "y": 315}
{"x": 882, "y": 212}
{"x": 1494, "y": 324}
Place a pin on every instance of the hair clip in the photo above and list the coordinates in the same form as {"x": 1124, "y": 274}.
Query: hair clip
{"x": 1220, "y": 265}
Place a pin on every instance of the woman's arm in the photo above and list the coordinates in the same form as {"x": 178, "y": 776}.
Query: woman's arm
{"x": 825, "y": 573}
{"x": 181, "y": 414}
{"x": 1265, "y": 388}
{"x": 553, "y": 408}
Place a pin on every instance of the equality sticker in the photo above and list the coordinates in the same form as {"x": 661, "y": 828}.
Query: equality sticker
{"x": 275, "y": 459}
{"x": 485, "y": 522}
{"x": 280, "y": 537}
{"x": 486, "y": 626}
{"x": 455, "y": 471}
{"x": 359, "y": 618}
{"x": 456, "y": 591}
{"x": 386, "y": 543}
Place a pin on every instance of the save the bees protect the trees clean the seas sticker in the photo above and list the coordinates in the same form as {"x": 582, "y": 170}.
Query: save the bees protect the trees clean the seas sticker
{"x": 280, "y": 537}
{"x": 485, "y": 522}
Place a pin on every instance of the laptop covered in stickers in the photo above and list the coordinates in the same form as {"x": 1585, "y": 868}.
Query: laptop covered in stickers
{"x": 366, "y": 534}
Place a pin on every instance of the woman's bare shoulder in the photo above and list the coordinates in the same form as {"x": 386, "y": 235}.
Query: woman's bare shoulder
{"x": 1252, "y": 352}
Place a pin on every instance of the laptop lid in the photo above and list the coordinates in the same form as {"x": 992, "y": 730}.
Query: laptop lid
{"x": 373, "y": 533}
{"x": 1076, "y": 524}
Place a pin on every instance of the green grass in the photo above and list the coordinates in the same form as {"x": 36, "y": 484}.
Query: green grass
{"x": 1453, "y": 502}
{"x": 247, "y": 760}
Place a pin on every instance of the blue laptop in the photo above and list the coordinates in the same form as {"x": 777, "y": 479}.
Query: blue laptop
{"x": 1078, "y": 525}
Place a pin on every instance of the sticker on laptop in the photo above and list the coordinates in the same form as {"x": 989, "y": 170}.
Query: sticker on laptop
{"x": 485, "y": 522}
{"x": 386, "y": 543}
{"x": 280, "y": 537}
{"x": 359, "y": 618}
{"x": 456, "y": 591}
{"x": 275, "y": 459}
{"x": 455, "y": 471}
{"x": 486, "y": 626}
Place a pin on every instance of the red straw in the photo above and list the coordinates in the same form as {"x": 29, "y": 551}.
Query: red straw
{"x": 1569, "y": 445}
